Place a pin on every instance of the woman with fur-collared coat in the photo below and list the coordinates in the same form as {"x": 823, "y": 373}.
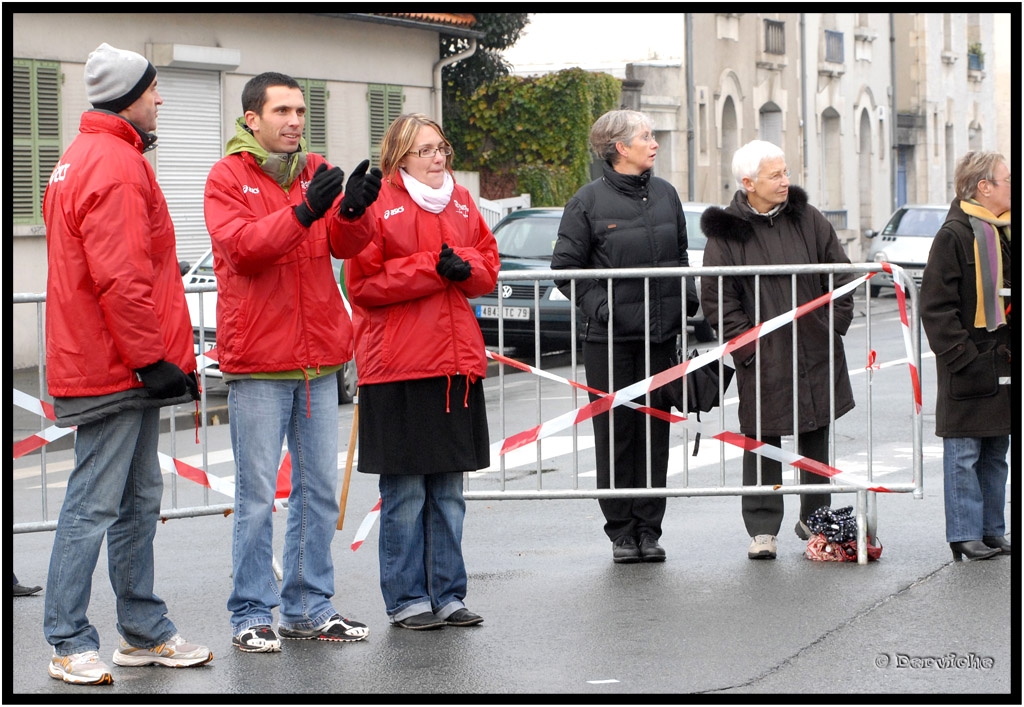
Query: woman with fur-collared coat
{"x": 770, "y": 222}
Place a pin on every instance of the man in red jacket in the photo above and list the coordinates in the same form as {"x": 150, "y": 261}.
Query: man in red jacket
{"x": 118, "y": 348}
{"x": 273, "y": 213}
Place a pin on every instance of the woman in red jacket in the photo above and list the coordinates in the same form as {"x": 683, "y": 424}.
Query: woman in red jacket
{"x": 421, "y": 361}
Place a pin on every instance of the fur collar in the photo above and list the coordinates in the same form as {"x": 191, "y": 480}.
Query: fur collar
{"x": 735, "y": 221}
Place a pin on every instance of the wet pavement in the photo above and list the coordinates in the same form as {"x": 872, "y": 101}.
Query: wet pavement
{"x": 562, "y": 620}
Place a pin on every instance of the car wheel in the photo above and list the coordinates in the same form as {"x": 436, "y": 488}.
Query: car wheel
{"x": 876, "y": 290}
{"x": 703, "y": 331}
{"x": 347, "y": 383}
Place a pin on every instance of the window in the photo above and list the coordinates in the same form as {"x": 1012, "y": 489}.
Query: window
{"x": 35, "y": 116}
{"x": 774, "y": 37}
{"x": 315, "y": 93}
{"x": 385, "y": 103}
{"x": 771, "y": 123}
{"x": 834, "y": 46}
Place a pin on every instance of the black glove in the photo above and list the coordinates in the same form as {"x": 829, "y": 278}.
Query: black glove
{"x": 451, "y": 266}
{"x": 323, "y": 189}
{"x": 164, "y": 380}
{"x": 361, "y": 191}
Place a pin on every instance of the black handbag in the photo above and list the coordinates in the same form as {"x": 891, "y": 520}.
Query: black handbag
{"x": 702, "y": 389}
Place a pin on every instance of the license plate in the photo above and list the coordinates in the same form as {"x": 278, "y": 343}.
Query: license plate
{"x": 486, "y": 311}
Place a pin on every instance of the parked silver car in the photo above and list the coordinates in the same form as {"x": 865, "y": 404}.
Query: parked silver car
{"x": 206, "y": 333}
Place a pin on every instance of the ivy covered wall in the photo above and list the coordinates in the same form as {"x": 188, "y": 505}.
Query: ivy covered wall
{"x": 529, "y": 134}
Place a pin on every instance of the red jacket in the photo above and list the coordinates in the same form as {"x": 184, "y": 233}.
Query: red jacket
{"x": 114, "y": 298}
{"x": 278, "y": 303}
{"x": 410, "y": 322}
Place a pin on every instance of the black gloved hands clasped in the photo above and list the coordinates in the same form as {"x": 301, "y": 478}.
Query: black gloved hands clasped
{"x": 323, "y": 189}
{"x": 451, "y": 266}
{"x": 361, "y": 191}
{"x": 165, "y": 380}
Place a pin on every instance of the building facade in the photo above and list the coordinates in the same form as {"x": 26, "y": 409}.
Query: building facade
{"x": 871, "y": 109}
{"x": 357, "y": 71}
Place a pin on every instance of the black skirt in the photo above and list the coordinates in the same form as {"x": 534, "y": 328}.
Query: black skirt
{"x": 423, "y": 427}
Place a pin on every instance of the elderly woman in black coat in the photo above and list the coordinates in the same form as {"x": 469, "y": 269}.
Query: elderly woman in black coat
{"x": 627, "y": 218}
{"x": 965, "y": 310}
{"x": 770, "y": 222}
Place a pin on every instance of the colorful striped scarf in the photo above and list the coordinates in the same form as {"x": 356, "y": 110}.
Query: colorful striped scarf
{"x": 988, "y": 263}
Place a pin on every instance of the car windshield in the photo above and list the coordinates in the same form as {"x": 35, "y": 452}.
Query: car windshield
{"x": 915, "y": 222}
{"x": 527, "y": 238}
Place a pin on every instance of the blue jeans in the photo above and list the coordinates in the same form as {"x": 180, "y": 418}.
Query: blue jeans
{"x": 420, "y": 547}
{"x": 263, "y": 413}
{"x": 974, "y": 486}
{"x": 114, "y": 491}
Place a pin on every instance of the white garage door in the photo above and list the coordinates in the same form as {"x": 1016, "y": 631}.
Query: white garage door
{"x": 189, "y": 131}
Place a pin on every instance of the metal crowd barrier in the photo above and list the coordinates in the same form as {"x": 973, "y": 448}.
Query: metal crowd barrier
{"x": 500, "y": 483}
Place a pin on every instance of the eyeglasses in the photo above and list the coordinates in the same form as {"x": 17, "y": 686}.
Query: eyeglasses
{"x": 778, "y": 176}
{"x": 646, "y": 137}
{"x": 996, "y": 181}
{"x": 431, "y": 151}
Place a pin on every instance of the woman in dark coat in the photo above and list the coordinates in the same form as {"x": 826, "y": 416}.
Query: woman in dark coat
{"x": 769, "y": 222}
{"x": 965, "y": 310}
{"x": 627, "y": 219}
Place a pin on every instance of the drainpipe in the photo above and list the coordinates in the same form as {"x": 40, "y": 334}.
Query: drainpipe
{"x": 893, "y": 147}
{"x": 436, "y": 89}
{"x": 803, "y": 95}
{"x": 691, "y": 179}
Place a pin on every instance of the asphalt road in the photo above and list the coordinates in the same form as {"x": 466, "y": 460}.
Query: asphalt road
{"x": 563, "y": 622}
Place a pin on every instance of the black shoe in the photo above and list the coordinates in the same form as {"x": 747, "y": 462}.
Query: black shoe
{"x": 802, "y": 531}
{"x": 998, "y": 542}
{"x": 624, "y": 549}
{"x": 974, "y": 549}
{"x": 650, "y": 550}
{"x": 23, "y": 591}
{"x": 463, "y": 617}
{"x": 422, "y": 622}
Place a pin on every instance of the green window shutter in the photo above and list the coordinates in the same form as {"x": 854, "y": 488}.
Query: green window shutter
{"x": 36, "y": 145}
{"x": 315, "y": 93}
{"x": 385, "y": 103}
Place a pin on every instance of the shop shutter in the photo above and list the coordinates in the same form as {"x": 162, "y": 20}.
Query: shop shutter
{"x": 189, "y": 129}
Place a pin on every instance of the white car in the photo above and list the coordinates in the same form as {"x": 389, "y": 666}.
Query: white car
{"x": 695, "y": 242}
{"x": 905, "y": 241}
{"x": 204, "y": 328}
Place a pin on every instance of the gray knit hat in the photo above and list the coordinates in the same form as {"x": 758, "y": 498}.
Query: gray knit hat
{"x": 115, "y": 78}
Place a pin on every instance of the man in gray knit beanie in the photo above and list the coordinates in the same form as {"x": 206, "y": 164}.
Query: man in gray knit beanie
{"x": 118, "y": 349}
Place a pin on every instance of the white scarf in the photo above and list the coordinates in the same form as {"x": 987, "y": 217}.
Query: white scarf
{"x": 429, "y": 199}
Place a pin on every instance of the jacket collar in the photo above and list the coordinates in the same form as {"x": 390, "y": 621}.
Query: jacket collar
{"x": 736, "y": 221}
{"x": 631, "y": 184}
{"x": 97, "y": 120}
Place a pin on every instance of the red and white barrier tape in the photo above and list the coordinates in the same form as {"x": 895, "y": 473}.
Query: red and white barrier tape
{"x": 635, "y": 390}
{"x": 623, "y": 396}
{"x": 626, "y": 395}
{"x": 365, "y": 526}
{"x": 167, "y": 463}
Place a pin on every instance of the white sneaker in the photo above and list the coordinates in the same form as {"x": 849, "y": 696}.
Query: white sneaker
{"x": 762, "y": 547}
{"x": 83, "y": 668}
{"x": 175, "y": 652}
